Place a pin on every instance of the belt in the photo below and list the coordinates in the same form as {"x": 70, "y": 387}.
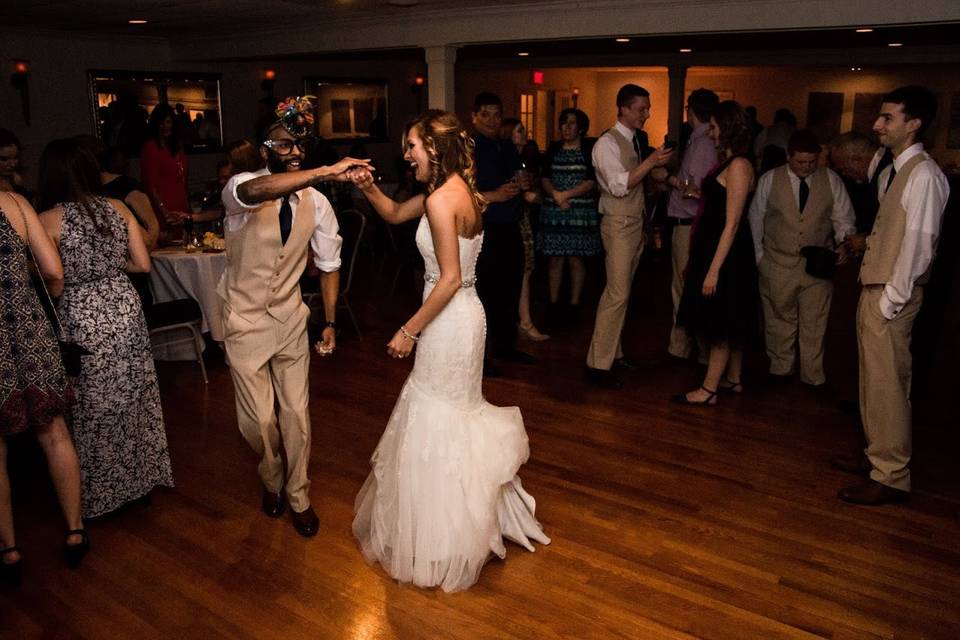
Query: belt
{"x": 682, "y": 222}
{"x": 434, "y": 278}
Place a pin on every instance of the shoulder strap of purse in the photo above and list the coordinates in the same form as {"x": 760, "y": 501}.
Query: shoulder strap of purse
{"x": 26, "y": 231}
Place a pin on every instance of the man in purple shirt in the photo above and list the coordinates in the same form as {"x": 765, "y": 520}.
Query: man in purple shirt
{"x": 699, "y": 158}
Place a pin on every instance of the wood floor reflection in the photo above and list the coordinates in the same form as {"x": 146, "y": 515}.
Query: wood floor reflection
{"x": 666, "y": 522}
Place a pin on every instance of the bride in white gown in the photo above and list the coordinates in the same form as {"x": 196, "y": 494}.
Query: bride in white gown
{"x": 443, "y": 490}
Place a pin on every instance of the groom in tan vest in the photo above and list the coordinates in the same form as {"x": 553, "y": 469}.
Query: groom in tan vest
{"x": 272, "y": 217}
{"x": 620, "y": 174}
{"x": 797, "y": 205}
{"x": 900, "y": 250}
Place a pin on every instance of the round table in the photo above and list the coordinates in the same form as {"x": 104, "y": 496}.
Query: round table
{"x": 177, "y": 274}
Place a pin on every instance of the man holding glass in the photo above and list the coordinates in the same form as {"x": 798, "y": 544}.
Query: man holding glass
{"x": 272, "y": 217}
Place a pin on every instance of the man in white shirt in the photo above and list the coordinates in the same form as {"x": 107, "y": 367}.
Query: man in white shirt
{"x": 620, "y": 173}
{"x": 899, "y": 253}
{"x": 272, "y": 217}
{"x": 798, "y": 205}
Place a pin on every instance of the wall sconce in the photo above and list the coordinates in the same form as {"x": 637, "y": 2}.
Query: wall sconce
{"x": 418, "y": 82}
{"x": 21, "y": 82}
{"x": 269, "y": 79}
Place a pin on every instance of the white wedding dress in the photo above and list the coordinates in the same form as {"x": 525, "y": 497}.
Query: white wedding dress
{"x": 443, "y": 492}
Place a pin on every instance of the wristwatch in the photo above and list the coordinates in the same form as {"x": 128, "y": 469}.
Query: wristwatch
{"x": 332, "y": 325}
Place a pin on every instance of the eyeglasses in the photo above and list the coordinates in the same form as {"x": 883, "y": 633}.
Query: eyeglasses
{"x": 285, "y": 147}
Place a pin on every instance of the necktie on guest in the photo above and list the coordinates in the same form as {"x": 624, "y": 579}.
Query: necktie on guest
{"x": 636, "y": 145}
{"x": 804, "y": 193}
{"x": 286, "y": 219}
{"x": 893, "y": 172}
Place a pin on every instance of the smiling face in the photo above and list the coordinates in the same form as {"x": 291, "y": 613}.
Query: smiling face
{"x": 283, "y": 153}
{"x": 895, "y": 131}
{"x": 636, "y": 113}
{"x": 486, "y": 120}
{"x": 417, "y": 156}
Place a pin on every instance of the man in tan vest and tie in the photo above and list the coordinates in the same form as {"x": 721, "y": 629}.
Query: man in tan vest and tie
{"x": 896, "y": 265}
{"x": 620, "y": 174}
{"x": 272, "y": 217}
{"x": 797, "y": 205}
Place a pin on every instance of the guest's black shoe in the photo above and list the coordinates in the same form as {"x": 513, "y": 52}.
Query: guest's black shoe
{"x": 873, "y": 494}
{"x": 272, "y": 503}
{"x": 305, "y": 522}
{"x": 857, "y": 465}
{"x": 711, "y": 399}
{"x": 602, "y": 378}
{"x": 10, "y": 572}
{"x": 491, "y": 370}
{"x": 515, "y": 356}
{"x": 73, "y": 553}
{"x": 780, "y": 378}
{"x": 622, "y": 364}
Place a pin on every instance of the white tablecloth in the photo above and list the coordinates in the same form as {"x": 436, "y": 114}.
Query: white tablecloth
{"x": 176, "y": 275}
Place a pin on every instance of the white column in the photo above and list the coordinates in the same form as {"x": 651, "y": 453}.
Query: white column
{"x": 440, "y": 67}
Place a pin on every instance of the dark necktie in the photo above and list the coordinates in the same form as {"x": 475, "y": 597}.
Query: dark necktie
{"x": 636, "y": 145}
{"x": 804, "y": 193}
{"x": 286, "y": 219}
{"x": 893, "y": 172}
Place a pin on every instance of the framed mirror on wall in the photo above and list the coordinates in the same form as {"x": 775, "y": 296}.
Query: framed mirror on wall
{"x": 122, "y": 101}
{"x": 349, "y": 109}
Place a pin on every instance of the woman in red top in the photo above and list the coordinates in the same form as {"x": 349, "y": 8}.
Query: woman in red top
{"x": 163, "y": 170}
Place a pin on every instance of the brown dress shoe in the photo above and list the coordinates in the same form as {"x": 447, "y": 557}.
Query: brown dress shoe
{"x": 873, "y": 494}
{"x": 306, "y": 522}
{"x": 272, "y": 503}
{"x": 857, "y": 465}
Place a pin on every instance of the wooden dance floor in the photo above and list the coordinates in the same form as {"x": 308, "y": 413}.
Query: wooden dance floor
{"x": 667, "y": 522}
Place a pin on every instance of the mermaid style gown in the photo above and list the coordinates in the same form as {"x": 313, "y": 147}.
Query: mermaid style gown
{"x": 443, "y": 490}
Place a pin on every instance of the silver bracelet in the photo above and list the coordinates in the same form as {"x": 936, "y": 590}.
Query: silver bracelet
{"x": 406, "y": 334}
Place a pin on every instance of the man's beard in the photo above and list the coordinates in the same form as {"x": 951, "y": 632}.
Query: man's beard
{"x": 278, "y": 164}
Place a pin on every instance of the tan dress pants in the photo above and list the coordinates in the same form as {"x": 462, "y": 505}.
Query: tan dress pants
{"x": 886, "y": 369}
{"x": 796, "y": 308}
{"x": 622, "y": 238}
{"x": 269, "y": 362}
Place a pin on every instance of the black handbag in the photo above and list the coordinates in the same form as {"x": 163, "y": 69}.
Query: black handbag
{"x": 70, "y": 352}
{"x": 821, "y": 262}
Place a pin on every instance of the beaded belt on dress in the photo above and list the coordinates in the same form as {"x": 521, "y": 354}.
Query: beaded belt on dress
{"x": 434, "y": 278}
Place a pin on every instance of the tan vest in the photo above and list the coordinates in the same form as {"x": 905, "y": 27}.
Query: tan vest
{"x": 785, "y": 229}
{"x": 263, "y": 275}
{"x": 883, "y": 243}
{"x": 631, "y": 204}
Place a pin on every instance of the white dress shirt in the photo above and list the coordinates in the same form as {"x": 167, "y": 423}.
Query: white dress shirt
{"x": 924, "y": 199}
{"x": 612, "y": 176}
{"x": 843, "y": 218}
{"x": 325, "y": 242}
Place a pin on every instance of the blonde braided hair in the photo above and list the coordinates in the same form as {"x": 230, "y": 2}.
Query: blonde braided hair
{"x": 450, "y": 150}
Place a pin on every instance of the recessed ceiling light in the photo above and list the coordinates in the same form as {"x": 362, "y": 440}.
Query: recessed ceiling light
{"x": 523, "y": 54}
{"x": 623, "y": 40}
{"x": 686, "y": 50}
{"x": 895, "y": 44}
{"x": 137, "y": 21}
{"x": 865, "y": 30}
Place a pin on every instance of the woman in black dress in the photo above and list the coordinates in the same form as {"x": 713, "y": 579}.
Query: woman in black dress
{"x": 720, "y": 289}
{"x": 33, "y": 386}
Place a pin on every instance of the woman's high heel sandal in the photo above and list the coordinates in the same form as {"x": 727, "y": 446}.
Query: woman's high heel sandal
{"x": 711, "y": 399}
{"x": 73, "y": 553}
{"x": 729, "y": 386}
{"x": 10, "y": 572}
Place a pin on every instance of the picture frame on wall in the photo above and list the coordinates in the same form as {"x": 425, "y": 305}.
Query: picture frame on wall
{"x": 121, "y": 102}
{"x": 349, "y": 108}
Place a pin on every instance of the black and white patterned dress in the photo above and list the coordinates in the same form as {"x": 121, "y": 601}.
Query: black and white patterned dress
{"x": 117, "y": 421}
{"x": 33, "y": 386}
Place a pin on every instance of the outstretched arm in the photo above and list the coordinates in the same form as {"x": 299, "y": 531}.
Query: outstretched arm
{"x": 389, "y": 209}
{"x": 277, "y": 185}
{"x": 441, "y": 208}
